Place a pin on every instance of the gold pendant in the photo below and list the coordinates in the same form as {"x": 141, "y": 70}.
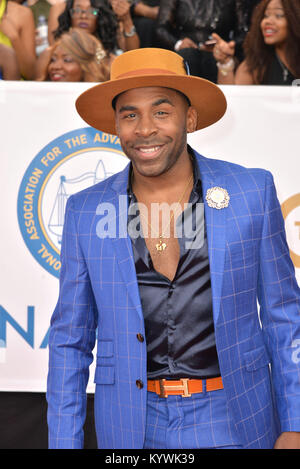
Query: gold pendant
{"x": 160, "y": 246}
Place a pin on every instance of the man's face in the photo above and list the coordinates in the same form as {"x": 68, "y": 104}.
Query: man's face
{"x": 152, "y": 124}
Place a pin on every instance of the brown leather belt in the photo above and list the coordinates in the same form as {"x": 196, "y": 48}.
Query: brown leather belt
{"x": 183, "y": 387}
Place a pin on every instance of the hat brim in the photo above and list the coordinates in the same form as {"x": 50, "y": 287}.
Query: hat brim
{"x": 95, "y": 104}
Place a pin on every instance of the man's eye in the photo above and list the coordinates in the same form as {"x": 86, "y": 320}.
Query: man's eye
{"x": 161, "y": 113}
{"x": 129, "y": 116}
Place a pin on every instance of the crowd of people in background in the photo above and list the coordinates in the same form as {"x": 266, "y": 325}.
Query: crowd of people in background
{"x": 225, "y": 41}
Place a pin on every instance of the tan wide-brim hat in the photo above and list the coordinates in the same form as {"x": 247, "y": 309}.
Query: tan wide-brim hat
{"x": 146, "y": 67}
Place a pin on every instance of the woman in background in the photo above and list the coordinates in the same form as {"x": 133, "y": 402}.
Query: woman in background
{"x": 76, "y": 56}
{"x": 17, "y": 31}
{"x": 9, "y": 69}
{"x": 272, "y": 47}
{"x": 110, "y": 22}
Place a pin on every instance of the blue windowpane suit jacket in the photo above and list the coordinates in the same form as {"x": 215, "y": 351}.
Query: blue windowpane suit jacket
{"x": 250, "y": 266}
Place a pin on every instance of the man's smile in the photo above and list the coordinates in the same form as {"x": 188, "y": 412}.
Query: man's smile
{"x": 148, "y": 151}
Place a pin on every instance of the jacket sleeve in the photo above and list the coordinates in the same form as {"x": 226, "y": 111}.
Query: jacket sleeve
{"x": 71, "y": 341}
{"x": 279, "y": 298}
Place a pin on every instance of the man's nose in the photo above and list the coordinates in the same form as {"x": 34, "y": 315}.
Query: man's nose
{"x": 146, "y": 126}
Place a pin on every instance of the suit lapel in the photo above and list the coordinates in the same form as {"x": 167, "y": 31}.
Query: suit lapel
{"x": 122, "y": 243}
{"x": 215, "y": 220}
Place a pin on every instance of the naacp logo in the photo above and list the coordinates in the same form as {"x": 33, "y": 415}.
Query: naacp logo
{"x": 68, "y": 164}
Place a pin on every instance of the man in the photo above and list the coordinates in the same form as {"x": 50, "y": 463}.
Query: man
{"x": 183, "y": 360}
{"x": 186, "y": 27}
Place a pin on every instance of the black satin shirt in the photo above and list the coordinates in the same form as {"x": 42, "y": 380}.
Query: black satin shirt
{"x": 178, "y": 314}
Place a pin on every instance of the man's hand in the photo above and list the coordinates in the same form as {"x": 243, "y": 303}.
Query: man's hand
{"x": 288, "y": 440}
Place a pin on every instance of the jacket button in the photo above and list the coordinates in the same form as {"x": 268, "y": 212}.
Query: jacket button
{"x": 139, "y": 383}
{"x": 140, "y": 337}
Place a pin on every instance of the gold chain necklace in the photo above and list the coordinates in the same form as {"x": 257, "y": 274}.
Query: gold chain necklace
{"x": 162, "y": 245}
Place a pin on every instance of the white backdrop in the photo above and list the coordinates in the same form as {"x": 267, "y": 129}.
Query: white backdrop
{"x": 48, "y": 152}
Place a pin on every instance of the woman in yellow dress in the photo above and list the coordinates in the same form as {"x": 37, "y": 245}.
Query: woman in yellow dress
{"x": 17, "y": 31}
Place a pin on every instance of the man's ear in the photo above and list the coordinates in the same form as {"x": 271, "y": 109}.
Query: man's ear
{"x": 191, "y": 120}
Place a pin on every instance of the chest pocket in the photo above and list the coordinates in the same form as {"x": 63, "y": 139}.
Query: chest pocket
{"x": 242, "y": 264}
{"x": 242, "y": 254}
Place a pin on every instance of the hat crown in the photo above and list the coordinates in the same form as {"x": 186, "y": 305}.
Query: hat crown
{"x": 147, "y": 61}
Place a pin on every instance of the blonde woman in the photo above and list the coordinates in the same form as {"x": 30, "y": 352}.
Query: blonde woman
{"x": 76, "y": 56}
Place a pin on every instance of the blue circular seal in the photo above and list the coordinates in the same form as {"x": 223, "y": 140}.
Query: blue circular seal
{"x": 68, "y": 164}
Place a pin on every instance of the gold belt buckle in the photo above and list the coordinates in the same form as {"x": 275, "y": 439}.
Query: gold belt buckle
{"x": 164, "y": 388}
